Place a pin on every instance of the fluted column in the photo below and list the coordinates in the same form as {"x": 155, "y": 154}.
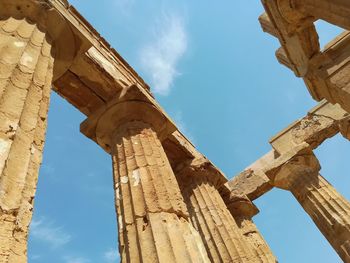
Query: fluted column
{"x": 153, "y": 220}
{"x": 26, "y": 70}
{"x": 243, "y": 210}
{"x": 329, "y": 210}
{"x": 221, "y": 235}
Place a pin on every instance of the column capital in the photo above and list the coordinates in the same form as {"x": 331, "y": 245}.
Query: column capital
{"x": 290, "y": 11}
{"x": 240, "y": 205}
{"x": 200, "y": 169}
{"x": 288, "y": 170}
{"x": 131, "y": 104}
{"x": 49, "y": 20}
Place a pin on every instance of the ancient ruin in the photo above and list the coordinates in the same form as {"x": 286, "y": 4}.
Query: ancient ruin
{"x": 173, "y": 204}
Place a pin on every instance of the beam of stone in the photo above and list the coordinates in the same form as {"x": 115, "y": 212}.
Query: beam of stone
{"x": 321, "y": 122}
{"x": 329, "y": 71}
{"x": 326, "y": 72}
{"x": 26, "y": 71}
{"x": 298, "y": 172}
{"x": 199, "y": 181}
{"x": 154, "y": 225}
{"x": 252, "y": 182}
{"x": 333, "y": 11}
{"x": 243, "y": 210}
{"x": 298, "y": 37}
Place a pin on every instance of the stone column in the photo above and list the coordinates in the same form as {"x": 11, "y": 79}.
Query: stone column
{"x": 154, "y": 224}
{"x": 243, "y": 210}
{"x": 333, "y": 11}
{"x": 224, "y": 242}
{"x": 328, "y": 209}
{"x": 26, "y": 70}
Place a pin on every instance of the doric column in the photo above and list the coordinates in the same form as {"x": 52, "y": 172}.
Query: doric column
{"x": 243, "y": 210}
{"x": 26, "y": 70}
{"x": 154, "y": 224}
{"x": 28, "y": 47}
{"x": 224, "y": 242}
{"x": 328, "y": 209}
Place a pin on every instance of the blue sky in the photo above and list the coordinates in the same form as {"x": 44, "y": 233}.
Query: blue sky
{"x": 214, "y": 71}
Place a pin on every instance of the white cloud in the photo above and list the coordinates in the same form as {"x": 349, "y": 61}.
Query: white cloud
{"x": 76, "y": 260}
{"x": 46, "y": 231}
{"x": 111, "y": 255}
{"x": 159, "y": 58}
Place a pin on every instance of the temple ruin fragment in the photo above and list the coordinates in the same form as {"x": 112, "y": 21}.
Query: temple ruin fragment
{"x": 172, "y": 203}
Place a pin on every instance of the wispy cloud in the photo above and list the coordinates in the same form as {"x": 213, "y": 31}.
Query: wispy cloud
{"x": 69, "y": 259}
{"x": 124, "y": 6}
{"x": 46, "y": 231}
{"x": 111, "y": 255}
{"x": 160, "y": 57}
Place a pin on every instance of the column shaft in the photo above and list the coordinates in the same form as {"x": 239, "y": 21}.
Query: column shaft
{"x": 255, "y": 239}
{"x": 26, "y": 69}
{"x": 153, "y": 221}
{"x": 209, "y": 214}
{"x": 328, "y": 209}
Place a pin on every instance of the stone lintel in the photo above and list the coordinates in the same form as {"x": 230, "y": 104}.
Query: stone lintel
{"x": 89, "y": 37}
{"x": 132, "y": 103}
{"x": 321, "y": 123}
{"x": 296, "y": 33}
{"x": 252, "y": 182}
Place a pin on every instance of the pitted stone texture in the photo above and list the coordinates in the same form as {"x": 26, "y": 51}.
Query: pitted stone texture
{"x": 210, "y": 216}
{"x": 255, "y": 239}
{"x": 243, "y": 210}
{"x": 153, "y": 221}
{"x": 26, "y": 69}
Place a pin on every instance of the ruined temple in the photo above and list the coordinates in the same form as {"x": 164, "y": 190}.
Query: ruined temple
{"x": 172, "y": 203}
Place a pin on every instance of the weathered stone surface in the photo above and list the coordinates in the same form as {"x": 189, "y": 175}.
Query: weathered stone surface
{"x": 325, "y": 72}
{"x": 328, "y": 209}
{"x": 321, "y": 123}
{"x": 333, "y": 11}
{"x": 199, "y": 181}
{"x": 251, "y": 183}
{"x": 243, "y": 210}
{"x": 345, "y": 127}
{"x": 154, "y": 224}
{"x": 26, "y": 71}
{"x": 296, "y": 34}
